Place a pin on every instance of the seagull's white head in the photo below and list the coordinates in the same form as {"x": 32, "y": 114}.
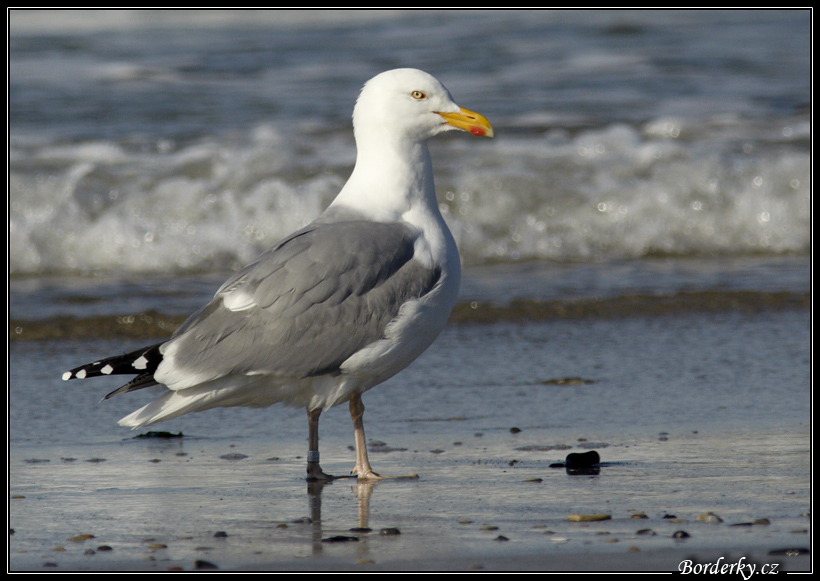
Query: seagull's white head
{"x": 411, "y": 104}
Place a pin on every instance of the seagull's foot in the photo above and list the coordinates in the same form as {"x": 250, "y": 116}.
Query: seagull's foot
{"x": 367, "y": 475}
{"x": 315, "y": 473}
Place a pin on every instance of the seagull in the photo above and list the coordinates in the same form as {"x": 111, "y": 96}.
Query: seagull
{"x": 337, "y": 307}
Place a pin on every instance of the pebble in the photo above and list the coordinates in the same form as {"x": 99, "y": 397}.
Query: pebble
{"x": 158, "y": 435}
{"x": 588, "y": 517}
{"x": 233, "y": 456}
{"x": 648, "y": 532}
{"x": 680, "y": 535}
{"x": 389, "y": 532}
{"x": 582, "y": 460}
{"x": 759, "y": 521}
{"x": 791, "y": 552}
{"x": 566, "y": 381}
{"x": 709, "y": 517}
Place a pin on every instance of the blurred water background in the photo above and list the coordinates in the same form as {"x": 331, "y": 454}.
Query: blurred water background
{"x": 641, "y": 157}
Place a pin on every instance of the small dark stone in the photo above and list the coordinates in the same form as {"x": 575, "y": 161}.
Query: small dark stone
{"x": 104, "y": 548}
{"x": 360, "y": 530}
{"x": 390, "y": 531}
{"x": 582, "y": 459}
{"x": 159, "y": 435}
{"x": 340, "y": 539}
{"x": 680, "y": 535}
{"x": 233, "y": 456}
{"x": 202, "y": 564}
{"x": 567, "y": 381}
{"x": 220, "y": 534}
{"x": 648, "y": 532}
{"x": 515, "y": 430}
{"x": 791, "y": 552}
{"x": 501, "y": 538}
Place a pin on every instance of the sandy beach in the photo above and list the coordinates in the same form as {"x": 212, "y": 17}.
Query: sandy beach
{"x": 484, "y": 503}
{"x": 701, "y": 420}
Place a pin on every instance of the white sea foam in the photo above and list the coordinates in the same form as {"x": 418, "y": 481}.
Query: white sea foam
{"x": 615, "y": 192}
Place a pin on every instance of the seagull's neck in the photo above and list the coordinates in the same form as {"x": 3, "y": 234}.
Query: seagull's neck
{"x": 391, "y": 178}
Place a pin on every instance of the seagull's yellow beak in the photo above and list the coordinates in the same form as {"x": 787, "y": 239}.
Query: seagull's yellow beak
{"x": 469, "y": 121}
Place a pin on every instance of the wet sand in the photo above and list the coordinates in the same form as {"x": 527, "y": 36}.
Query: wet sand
{"x": 482, "y": 504}
{"x": 697, "y": 403}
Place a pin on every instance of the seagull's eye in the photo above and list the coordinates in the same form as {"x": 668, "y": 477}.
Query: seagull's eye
{"x": 418, "y": 95}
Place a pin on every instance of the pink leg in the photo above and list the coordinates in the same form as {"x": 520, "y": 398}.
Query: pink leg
{"x": 362, "y": 468}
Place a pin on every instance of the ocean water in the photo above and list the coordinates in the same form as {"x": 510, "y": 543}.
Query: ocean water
{"x": 173, "y": 142}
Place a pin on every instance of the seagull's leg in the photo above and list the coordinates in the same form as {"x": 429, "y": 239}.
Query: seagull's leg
{"x": 362, "y": 468}
{"x": 314, "y": 471}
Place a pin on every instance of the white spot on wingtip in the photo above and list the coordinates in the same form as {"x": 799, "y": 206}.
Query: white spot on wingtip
{"x": 66, "y": 376}
{"x": 107, "y": 370}
{"x": 81, "y": 374}
{"x": 140, "y": 363}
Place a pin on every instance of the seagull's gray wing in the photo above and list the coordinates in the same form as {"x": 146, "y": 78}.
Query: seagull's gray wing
{"x": 303, "y": 307}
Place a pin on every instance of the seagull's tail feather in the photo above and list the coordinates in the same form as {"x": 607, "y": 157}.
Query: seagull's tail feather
{"x": 170, "y": 405}
{"x": 223, "y": 392}
{"x": 142, "y": 363}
